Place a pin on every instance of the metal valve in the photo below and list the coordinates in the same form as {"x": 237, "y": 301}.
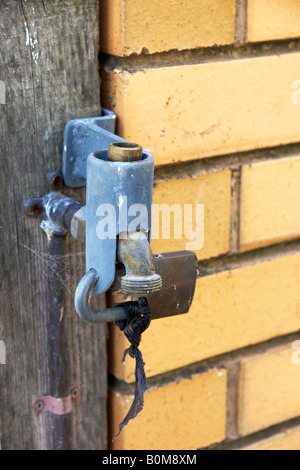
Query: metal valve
{"x": 115, "y": 223}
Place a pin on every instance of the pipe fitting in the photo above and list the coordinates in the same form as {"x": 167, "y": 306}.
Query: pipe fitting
{"x": 134, "y": 252}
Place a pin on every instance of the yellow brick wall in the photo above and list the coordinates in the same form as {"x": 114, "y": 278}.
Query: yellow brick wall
{"x": 135, "y": 26}
{"x": 288, "y": 440}
{"x": 270, "y": 206}
{"x": 199, "y": 401}
{"x": 207, "y": 109}
{"x": 273, "y": 19}
{"x": 269, "y": 390}
{"x": 211, "y": 88}
{"x": 211, "y": 189}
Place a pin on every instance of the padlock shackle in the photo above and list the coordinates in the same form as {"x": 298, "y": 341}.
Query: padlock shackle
{"x": 83, "y": 295}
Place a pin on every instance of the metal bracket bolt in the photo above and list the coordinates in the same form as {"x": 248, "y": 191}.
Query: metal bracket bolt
{"x": 57, "y": 406}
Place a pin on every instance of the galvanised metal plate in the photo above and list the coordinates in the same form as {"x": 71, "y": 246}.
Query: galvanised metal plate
{"x": 83, "y": 137}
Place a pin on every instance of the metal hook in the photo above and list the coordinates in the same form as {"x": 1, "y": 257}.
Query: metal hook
{"x": 83, "y": 295}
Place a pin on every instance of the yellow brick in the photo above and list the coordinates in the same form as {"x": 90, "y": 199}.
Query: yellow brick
{"x": 273, "y": 19}
{"x": 270, "y": 203}
{"x": 269, "y": 390}
{"x": 111, "y": 26}
{"x": 185, "y": 415}
{"x": 231, "y": 310}
{"x": 214, "y": 191}
{"x": 135, "y": 26}
{"x": 195, "y": 111}
{"x": 287, "y": 440}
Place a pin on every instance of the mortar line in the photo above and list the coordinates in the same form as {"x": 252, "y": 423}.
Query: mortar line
{"x": 134, "y": 63}
{"x": 235, "y": 210}
{"x": 233, "y": 386}
{"x": 241, "y": 21}
{"x": 220, "y": 361}
{"x": 257, "y": 437}
{"x": 235, "y": 261}
{"x": 194, "y": 168}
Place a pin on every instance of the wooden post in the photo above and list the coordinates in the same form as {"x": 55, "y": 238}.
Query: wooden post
{"x": 48, "y": 75}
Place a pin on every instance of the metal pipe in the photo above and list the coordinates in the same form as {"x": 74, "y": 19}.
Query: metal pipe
{"x": 124, "y": 152}
{"x": 60, "y": 209}
{"x": 57, "y": 339}
{"x": 83, "y": 295}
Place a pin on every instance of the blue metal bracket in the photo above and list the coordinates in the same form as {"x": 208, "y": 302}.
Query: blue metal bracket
{"x": 82, "y": 137}
{"x": 119, "y": 185}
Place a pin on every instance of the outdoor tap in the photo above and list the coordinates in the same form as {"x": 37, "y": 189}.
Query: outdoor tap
{"x": 118, "y": 225}
{"x": 115, "y": 224}
{"x": 134, "y": 252}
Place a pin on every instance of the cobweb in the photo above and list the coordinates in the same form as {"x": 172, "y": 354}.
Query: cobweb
{"x": 67, "y": 268}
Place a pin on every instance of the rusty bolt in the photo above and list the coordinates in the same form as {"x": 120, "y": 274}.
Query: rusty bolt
{"x": 57, "y": 181}
{"x": 39, "y": 406}
{"x": 33, "y": 206}
{"x": 36, "y": 208}
{"x": 74, "y": 393}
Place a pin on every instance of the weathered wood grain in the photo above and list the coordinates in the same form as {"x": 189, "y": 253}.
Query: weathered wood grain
{"x": 49, "y": 64}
